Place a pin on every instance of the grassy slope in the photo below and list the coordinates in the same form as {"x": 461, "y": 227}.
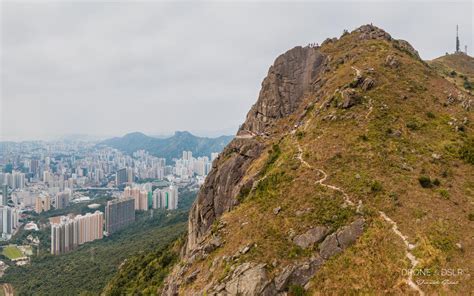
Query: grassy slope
{"x": 459, "y": 62}
{"x": 358, "y": 152}
{"x": 457, "y": 68}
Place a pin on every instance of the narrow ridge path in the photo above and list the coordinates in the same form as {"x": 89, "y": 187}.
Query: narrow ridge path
{"x": 347, "y": 200}
{"x": 413, "y": 260}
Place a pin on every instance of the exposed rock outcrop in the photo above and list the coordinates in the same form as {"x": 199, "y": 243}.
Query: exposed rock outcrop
{"x": 253, "y": 279}
{"x": 218, "y": 194}
{"x": 367, "y": 84}
{"x": 372, "y": 32}
{"x": 282, "y": 91}
{"x": 334, "y": 244}
{"x": 347, "y": 235}
{"x": 292, "y": 74}
{"x": 249, "y": 279}
{"x": 296, "y": 76}
{"x": 310, "y": 237}
{"x": 350, "y": 98}
{"x": 391, "y": 61}
{"x": 329, "y": 247}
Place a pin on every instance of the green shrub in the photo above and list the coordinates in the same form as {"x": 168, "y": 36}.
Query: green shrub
{"x": 244, "y": 192}
{"x": 376, "y": 186}
{"x": 295, "y": 252}
{"x": 354, "y": 83}
{"x": 441, "y": 237}
{"x": 471, "y": 216}
{"x": 466, "y": 152}
{"x": 215, "y": 226}
{"x": 467, "y": 85}
{"x": 430, "y": 115}
{"x": 394, "y": 198}
{"x": 444, "y": 193}
{"x": 296, "y": 290}
{"x": 413, "y": 125}
{"x": 425, "y": 182}
{"x": 436, "y": 182}
{"x": 273, "y": 155}
{"x": 299, "y": 135}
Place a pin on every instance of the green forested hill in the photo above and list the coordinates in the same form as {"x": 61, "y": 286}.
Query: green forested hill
{"x": 87, "y": 269}
{"x": 171, "y": 147}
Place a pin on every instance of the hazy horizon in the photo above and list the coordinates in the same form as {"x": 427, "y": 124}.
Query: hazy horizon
{"x": 99, "y": 138}
{"x": 108, "y": 69}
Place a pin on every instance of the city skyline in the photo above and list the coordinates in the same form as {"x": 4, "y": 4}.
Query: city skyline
{"x": 107, "y": 69}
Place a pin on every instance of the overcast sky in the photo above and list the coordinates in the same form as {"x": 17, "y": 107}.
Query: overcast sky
{"x": 109, "y": 68}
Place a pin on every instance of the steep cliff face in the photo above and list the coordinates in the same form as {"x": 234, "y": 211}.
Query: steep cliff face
{"x": 350, "y": 171}
{"x": 293, "y": 74}
{"x": 219, "y": 192}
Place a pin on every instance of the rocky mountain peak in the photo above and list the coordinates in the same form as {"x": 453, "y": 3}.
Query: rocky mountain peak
{"x": 372, "y": 32}
{"x": 356, "y": 123}
{"x": 291, "y": 75}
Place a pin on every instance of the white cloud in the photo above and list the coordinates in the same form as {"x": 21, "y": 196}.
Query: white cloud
{"x": 107, "y": 68}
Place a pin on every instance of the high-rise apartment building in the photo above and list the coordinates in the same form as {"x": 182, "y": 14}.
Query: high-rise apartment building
{"x": 119, "y": 213}
{"x": 142, "y": 200}
{"x": 61, "y": 200}
{"x": 124, "y": 175}
{"x": 121, "y": 177}
{"x": 34, "y": 166}
{"x": 70, "y": 232}
{"x": 140, "y": 196}
{"x": 166, "y": 198}
{"x": 4, "y": 195}
{"x": 187, "y": 155}
{"x": 18, "y": 180}
{"x": 42, "y": 204}
{"x": 8, "y": 220}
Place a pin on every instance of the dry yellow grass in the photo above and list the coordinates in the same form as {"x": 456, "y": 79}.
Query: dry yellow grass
{"x": 361, "y": 155}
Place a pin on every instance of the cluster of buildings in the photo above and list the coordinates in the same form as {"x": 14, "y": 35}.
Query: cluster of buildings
{"x": 166, "y": 198}
{"x": 188, "y": 166}
{"x": 141, "y": 195}
{"x": 144, "y": 166}
{"x": 144, "y": 198}
{"x": 41, "y": 176}
{"x": 32, "y": 171}
{"x": 14, "y": 180}
{"x": 68, "y": 232}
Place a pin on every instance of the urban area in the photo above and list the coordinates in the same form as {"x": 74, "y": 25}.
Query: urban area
{"x": 38, "y": 178}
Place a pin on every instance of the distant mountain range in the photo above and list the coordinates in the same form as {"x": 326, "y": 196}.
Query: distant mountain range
{"x": 170, "y": 147}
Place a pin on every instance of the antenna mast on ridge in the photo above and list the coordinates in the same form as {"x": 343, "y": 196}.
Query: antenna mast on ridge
{"x": 457, "y": 38}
